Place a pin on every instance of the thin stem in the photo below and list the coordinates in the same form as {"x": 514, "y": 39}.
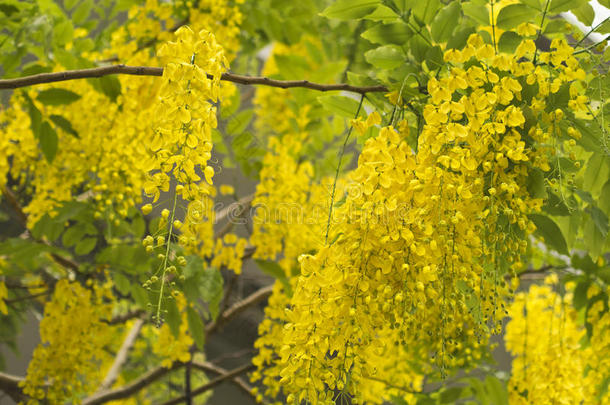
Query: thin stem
{"x": 546, "y": 8}
{"x": 587, "y": 49}
{"x": 157, "y": 71}
{"x": 121, "y": 356}
{"x": 591, "y": 31}
{"x": 168, "y": 244}
{"x": 493, "y": 27}
{"x": 332, "y": 195}
{"x": 213, "y": 383}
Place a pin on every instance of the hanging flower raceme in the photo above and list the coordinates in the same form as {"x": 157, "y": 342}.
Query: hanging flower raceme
{"x": 74, "y": 333}
{"x": 418, "y": 266}
{"x": 185, "y": 115}
{"x": 552, "y": 361}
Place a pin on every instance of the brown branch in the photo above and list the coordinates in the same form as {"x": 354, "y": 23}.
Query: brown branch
{"x": 121, "y": 355}
{"x": 131, "y": 388}
{"x": 157, "y": 71}
{"x": 126, "y": 316}
{"x": 239, "y": 307}
{"x": 213, "y": 383}
{"x": 27, "y": 297}
{"x": 240, "y": 383}
{"x": 9, "y": 384}
{"x": 235, "y": 209}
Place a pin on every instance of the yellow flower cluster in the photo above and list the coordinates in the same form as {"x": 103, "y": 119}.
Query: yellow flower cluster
{"x": 185, "y": 116}
{"x": 291, "y": 207}
{"x": 551, "y": 365}
{"x": 228, "y": 252}
{"x": 169, "y": 347}
{"x": 111, "y": 145}
{"x": 416, "y": 262}
{"x": 73, "y": 334}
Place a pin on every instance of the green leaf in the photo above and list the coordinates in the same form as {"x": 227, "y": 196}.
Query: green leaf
{"x": 110, "y": 86}
{"x": 231, "y": 107}
{"x": 383, "y": 13}
{"x": 64, "y": 124}
{"x": 496, "y": 390}
{"x": 548, "y": 229}
{"x": 196, "y": 327}
{"x": 35, "y": 116}
{"x": 536, "y": 185}
{"x": 85, "y": 246}
{"x": 426, "y": 10}
{"x": 513, "y": 15}
{"x": 341, "y": 105}
{"x": 604, "y": 198}
{"x": 596, "y": 173}
{"x": 48, "y": 141}
{"x": 385, "y": 57}
{"x": 593, "y": 238}
{"x": 57, "y": 97}
{"x": 478, "y": 11}
{"x": 211, "y": 287}
{"x": 81, "y": 13}
{"x": 47, "y": 226}
{"x": 350, "y": 9}
{"x": 605, "y": 3}
{"x": 599, "y": 219}
{"x": 451, "y": 395}
{"x": 445, "y": 22}
{"x": 434, "y": 58}
{"x": 273, "y": 269}
{"x": 580, "y": 295}
{"x": 459, "y": 38}
{"x": 63, "y": 33}
{"x": 509, "y": 41}
{"x": 140, "y": 295}
{"x": 69, "y": 4}
{"x": 536, "y": 4}
{"x": 396, "y": 33}
{"x": 583, "y": 262}
{"x": 240, "y": 122}
{"x": 172, "y": 316}
{"x": 559, "y": 6}
{"x": 73, "y": 235}
{"x": 121, "y": 282}
{"x": 585, "y": 14}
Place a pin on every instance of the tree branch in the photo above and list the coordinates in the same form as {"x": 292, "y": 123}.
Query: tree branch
{"x": 157, "y": 71}
{"x": 239, "y": 307}
{"x": 9, "y": 384}
{"x": 131, "y": 388}
{"x": 126, "y": 316}
{"x": 121, "y": 355}
{"x": 240, "y": 383}
{"x": 213, "y": 383}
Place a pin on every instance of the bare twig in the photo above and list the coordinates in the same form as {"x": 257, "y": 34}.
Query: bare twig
{"x": 235, "y": 209}
{"x": 157, "y": 71}
{"x": 131, "y": 388}
{"x": 121, "y": 355}
{"x": 233, "y": 355}
{"x": 213, "y": 383}
{"x": 206, "y": 366}
{"x": 9, "y": 384}
{"x": 239, "y": 307}
{"x": 126, "y": 316}
{"x": 27, "y": 297}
